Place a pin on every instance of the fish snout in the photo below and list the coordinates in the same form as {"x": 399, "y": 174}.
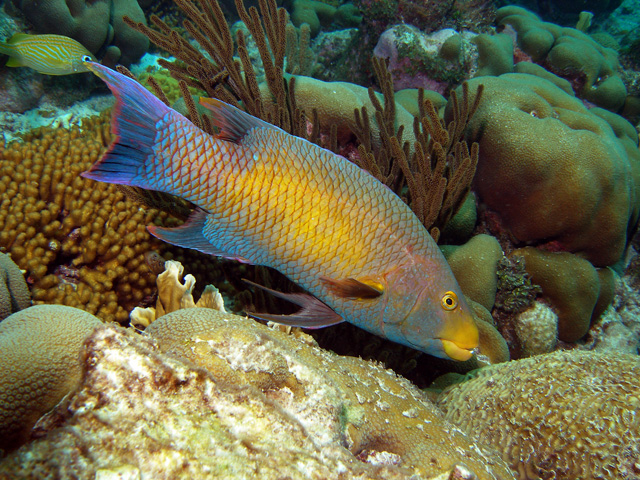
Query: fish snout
{"x": 443, "y": 326}
{"x": 459, "y": 334}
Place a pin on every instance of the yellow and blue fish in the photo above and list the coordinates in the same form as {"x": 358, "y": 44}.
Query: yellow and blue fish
{"x": 270, "y": 198}
{"x": 49, "y": 54}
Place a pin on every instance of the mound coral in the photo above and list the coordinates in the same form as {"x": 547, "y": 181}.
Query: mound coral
{"x": 148, "y": 414}
{"x": 495, "y": 54}
{"x": 335, "y": 103}
{"x": 554, "y": 171}
{"x": 570, "y": 53}
{"x": 97, "y": 25}
{"x": 475, "y": 265}
{"x": 14, "y": 293}
{"x": 563, "y": 415}
{"x": 573, "y": 287}
{"x": 492, "y": 347}
{"x": 378, "y": 411}
{"x": 317, "y": 14}
{"x": 81, "y": 243}
{"x": 39, "y": 365}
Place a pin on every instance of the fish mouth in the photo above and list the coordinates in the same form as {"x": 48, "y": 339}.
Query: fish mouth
{"x": 455, "y": 351}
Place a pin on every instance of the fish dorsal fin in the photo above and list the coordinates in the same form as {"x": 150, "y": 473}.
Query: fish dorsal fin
{"x": 18, "y": 37}
{"x": 365, "y": 288}
{"x": 232, "y": 122}
{"x": 313, "y": 314}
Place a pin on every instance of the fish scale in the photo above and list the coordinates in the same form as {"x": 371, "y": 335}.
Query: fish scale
{"x": 269, "y": 198}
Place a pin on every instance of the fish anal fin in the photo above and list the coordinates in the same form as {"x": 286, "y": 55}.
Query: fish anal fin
{"x": 191, "y": 235}
{"x": 13, "y": 62}
{"x": 313, "y": 314}
{"x": 365, "y": 288}
{"x": 232, "y": 122}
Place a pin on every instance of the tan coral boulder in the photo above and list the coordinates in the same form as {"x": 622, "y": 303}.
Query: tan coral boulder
{"x": 552, "y": 170}
{"x": 339, "y": 400}
{"x": 265, "y": 405}
{"x": 335, "y": 103}
{"x": 39, "y": 365}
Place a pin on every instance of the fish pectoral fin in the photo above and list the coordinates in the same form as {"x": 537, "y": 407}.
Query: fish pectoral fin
{"x": 313, "y": 314}
{"x": 232, "y": 122}
{"x": 191, "y": 235}
{"x": 365, "y": 288}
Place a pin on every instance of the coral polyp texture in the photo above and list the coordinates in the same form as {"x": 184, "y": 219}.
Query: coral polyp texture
{"x": 39, "y": 365}
{"x": 553, "y": 171}
{"x": 81, "y": 243}
{"x": 537, "y": 330}
{"x": 564, "y": 415}
{"x": 259, "y": 404}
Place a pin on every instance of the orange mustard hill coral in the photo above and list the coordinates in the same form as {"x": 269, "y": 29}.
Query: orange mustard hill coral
{"x": 81, "y": 243}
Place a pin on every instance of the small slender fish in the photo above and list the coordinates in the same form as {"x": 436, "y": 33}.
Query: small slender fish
{"x": 269, "y": 198}
{"x": 49, "y": 54}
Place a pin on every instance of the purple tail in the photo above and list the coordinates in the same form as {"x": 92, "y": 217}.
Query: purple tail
{"x": 134, "y": 123}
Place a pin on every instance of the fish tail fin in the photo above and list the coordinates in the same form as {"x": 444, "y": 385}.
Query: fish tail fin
{"x": 136, "y": 119}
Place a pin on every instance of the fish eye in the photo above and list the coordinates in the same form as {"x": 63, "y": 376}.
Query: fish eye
{"x": 449, "y": 301}
{"x": 86, "y": 58}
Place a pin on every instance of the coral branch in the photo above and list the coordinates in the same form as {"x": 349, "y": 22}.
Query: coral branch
{"x": 438, "y": 172}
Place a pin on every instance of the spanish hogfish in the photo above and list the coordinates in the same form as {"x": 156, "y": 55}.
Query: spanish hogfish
{"x": 269, "y": 198}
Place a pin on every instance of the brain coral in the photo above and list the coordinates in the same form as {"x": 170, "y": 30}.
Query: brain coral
{"x": 552, "y": 170}
{"x": 40, "y": 364}
{"x": 270, "y": 406}
{"x": 14, "y": 293}
{"x": 537, "y": 330}
{"x": 81, "y": 243}
{"x": 564, "y": 415}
